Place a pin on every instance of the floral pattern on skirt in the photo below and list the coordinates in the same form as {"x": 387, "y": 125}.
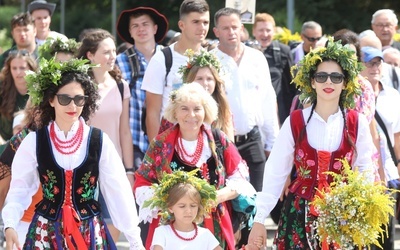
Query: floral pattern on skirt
{"x": 296, "y": 227}
{"x": 48, "y": 234}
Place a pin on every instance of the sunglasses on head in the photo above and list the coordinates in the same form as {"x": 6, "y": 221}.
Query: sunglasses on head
{"x": 22, "y": 52}
{"x": 65, "y": 100}
{"x": 312, "y": 39}
{"x": 322, "y": 77}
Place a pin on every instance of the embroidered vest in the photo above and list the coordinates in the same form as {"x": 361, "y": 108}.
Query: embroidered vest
{"x": 84, "y": 178}
{"x": 306, "y": 158}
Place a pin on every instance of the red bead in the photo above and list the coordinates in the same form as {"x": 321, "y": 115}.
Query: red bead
{"x": 197, "y": 153}
{"x": 71, "y": 145}
{"x": 196, "y": 230}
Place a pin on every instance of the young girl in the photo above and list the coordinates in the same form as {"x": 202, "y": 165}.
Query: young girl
{"x": 185, "y": 199}
{"x": 314, "y": 140}
{"x": 204, "y": 67}
{"x": 68, "y": 159}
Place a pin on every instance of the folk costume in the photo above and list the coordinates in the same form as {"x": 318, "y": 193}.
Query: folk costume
{"x": 69, "y": 166}
{"x": 314, "y": 146}
{"x": 163, "y": 157}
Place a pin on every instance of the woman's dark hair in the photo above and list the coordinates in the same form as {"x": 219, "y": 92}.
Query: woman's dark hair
{"x": 47, "y": 112}
{"x": 90, "y": 43}
{"x": 8, "y": 91}
{"x": 348, "y": 37}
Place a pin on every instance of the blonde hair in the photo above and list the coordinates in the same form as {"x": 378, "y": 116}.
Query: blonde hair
{"x": 192, "y": 92}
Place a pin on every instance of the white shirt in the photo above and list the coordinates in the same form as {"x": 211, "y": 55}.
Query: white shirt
{"x": 321, "y": 136}
{"x": 250, "y": 93}
{"x": 112, "y": 179}
{"x": 166, "y": 238}
{"x": 154, "y": 77}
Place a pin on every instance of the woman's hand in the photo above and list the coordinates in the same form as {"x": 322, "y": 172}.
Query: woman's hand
{"x": 11, "y": 239}
{"x": 258, "y": 234}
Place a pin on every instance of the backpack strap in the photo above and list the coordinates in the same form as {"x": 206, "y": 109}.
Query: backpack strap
{"x": 218, "y": 145}
{"x": 135, "y": 66}
{"x": 168, "y": 61}
{"x": 384, "y": 129}
{"x": 121, "y": 89}
{"x": 277, "y": 54}
{"x": 395, "y": 79}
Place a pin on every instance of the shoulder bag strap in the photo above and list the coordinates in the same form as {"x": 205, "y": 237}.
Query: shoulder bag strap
{"x": 389, "y": 144}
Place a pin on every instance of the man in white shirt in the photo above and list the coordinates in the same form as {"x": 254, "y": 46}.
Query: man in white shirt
{"x": 194, "y": 23}
{"x": 251, "y": 97}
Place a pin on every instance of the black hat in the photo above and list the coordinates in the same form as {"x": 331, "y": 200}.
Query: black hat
{"x": 159, "y": 19}
{"x": 41, "y": 4}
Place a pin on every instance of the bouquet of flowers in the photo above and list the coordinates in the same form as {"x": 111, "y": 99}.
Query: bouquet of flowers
{"x": 352, "y": 211}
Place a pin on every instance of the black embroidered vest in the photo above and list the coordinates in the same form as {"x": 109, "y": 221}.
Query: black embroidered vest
{"x": 84, "y": 178}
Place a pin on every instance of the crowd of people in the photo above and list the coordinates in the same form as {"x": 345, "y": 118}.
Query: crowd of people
{"x": 190, "y": 145}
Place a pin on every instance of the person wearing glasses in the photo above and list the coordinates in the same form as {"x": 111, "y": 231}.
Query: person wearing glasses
{"x": 384, "y": 24}
{"x": 13, "y": 90}
{"x": 311, "y": 33}
{"x": 386, "y": 99}
{"x": 314, "y": 139}
{"x": 81, "y": 158}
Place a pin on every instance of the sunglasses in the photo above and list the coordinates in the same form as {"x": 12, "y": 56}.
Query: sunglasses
{"x": 64, "y": 100}
{"x": 323, "y": 77}
{"x": 312, "y": 39}
{"x": 22, "y": 52}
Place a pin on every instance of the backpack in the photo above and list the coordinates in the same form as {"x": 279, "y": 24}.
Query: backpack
{"x": 135, "y": 67}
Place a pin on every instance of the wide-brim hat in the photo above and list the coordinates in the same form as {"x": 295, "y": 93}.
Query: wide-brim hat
{"x": 124, "y": 18}
{"x": 41, "y": 4}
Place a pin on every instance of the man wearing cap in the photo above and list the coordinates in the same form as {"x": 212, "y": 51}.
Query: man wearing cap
{"x": 387, "y": 103}
{"x": 41, "y": 12}
{"x": 143, "y": 27}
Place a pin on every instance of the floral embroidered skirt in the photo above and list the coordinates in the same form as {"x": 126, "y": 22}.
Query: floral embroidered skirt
{"x": 48, "y": 234}
{"x": 296, "y": 228}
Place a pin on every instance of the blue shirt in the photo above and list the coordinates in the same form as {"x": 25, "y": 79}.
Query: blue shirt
{"x": 137, "y": 97}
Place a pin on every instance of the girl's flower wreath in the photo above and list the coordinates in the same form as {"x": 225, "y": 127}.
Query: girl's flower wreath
{"x": 50, "y": 72}
{"x": 54, "y": 45}
{"x": 304, "y": 71}
{"x": 207, "y": 192}
{"x": 352, "y": 212}
{"x": 201, "y": 59}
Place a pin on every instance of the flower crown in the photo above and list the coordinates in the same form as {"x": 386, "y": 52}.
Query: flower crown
{"x": 54, "y": 45}
{"x": 168, "y": 181}
{"x": 202, "y": 59}
{"x": 50, "y": 73}
{"x": 333, "y": 51}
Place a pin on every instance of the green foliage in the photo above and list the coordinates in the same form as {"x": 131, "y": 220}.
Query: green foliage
{"x": 6, "y": 13}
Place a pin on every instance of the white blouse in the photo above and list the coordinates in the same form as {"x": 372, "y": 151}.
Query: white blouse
{"x": 321, "y": 136}
{"x": 112, "y": 179}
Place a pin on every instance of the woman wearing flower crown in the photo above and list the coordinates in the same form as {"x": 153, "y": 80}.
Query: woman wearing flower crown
{"x": 314, "y": 140}
{"x": 204, "y": 68}
{"x": 61, "y": 48}
{"x": 189, "y": 145}
{"x": 68, "y": 159}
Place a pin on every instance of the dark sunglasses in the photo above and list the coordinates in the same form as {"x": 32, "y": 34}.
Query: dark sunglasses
{"x": 312, "y": 39}
{"x": 64, "y": 100}
{"x": 335, "y": 77}
{"x": 22, "y": 52}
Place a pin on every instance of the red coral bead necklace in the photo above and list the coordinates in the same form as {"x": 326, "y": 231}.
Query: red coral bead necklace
{"x": 190, "y": 159}
{"x": 70, "y": 146}
{"x": 196, "y": 231}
